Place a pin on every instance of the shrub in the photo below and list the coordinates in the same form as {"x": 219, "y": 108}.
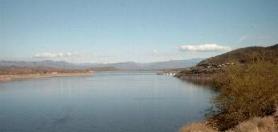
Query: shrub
{"x": 246, "y": 91}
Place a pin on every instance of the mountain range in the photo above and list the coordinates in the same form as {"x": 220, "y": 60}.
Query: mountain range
{"x": 100, "y": 67}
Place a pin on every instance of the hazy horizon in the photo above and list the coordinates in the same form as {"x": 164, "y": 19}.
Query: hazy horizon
{"x": 100, "y": 62}
{"x": 139, "y": 31}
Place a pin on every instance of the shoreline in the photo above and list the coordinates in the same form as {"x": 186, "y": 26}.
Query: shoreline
{"x": 7, "y": 78}
{"x": 199, "y": 79}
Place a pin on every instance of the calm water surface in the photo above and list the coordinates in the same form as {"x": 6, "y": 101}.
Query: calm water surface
{"x": 105, "y": 102}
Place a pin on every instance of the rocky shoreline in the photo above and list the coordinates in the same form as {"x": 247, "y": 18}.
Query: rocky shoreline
{"x": 200, "y": 74}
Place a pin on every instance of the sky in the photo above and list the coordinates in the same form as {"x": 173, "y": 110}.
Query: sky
{"x": 107, "y": 31}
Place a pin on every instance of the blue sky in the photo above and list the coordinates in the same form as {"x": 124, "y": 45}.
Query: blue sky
{"x": 133, "y": 30}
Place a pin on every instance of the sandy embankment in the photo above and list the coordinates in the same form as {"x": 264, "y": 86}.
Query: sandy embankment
{"x": 4, "y": 78}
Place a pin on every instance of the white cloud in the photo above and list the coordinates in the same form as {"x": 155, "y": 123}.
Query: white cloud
{"x": 204, "y": 48}
{"x": 243, "y": 38}
{"x": 155, "y": 51}
{"x": 75, "y": 57}
{"x": 254, "y": 38}
{"x": 53, "y": 55}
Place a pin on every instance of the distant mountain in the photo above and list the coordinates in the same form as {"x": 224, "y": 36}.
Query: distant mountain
{"x": 46, "y": 63}
{"x": 173, "y": 64}
{"x": 151, "y": 66}
{"x": 100, "y": 67}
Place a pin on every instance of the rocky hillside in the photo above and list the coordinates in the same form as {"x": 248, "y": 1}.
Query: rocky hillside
{"x": 240, "y": 56}
{"x": 244, "y": 55}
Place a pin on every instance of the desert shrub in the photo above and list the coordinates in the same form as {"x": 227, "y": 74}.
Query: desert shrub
{"x": 246, "y": 91}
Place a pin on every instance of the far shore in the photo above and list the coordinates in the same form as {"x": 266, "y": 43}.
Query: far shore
{"x": 5, "y": 78}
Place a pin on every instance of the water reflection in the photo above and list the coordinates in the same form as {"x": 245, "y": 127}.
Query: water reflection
{"x": 111, "y": 101}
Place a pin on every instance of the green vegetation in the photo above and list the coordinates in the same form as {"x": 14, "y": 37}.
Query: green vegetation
{"x": 246, "y": 91}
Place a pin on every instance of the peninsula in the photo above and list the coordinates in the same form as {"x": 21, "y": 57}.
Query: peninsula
{"x": 18, "y": 73}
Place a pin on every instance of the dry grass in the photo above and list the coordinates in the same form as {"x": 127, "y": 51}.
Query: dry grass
{"x": 197, "y": 127}
{"x": 257, "y": 124}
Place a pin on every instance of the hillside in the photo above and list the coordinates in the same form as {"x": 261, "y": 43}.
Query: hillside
{"x": 246, "y": 81}
{"x": 218, "y": 63}
{"x": 244, "y": 55}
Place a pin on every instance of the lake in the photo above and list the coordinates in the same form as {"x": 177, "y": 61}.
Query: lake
{"x": 104, "y": 102}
